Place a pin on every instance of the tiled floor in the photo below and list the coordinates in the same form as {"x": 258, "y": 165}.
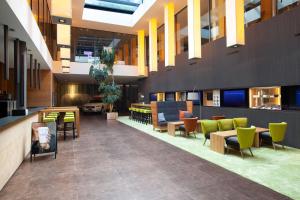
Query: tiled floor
{"x": 114, "y": 161}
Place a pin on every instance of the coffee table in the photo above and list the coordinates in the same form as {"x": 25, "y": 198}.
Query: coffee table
{"x": 217, "y": 139}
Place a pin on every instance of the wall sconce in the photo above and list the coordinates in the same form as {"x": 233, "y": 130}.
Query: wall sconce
{"x": 66, "y": 70}
{"x": 65, "y": 63}
{"x": 63, "y": 35}
{"x": 65, "y": 53}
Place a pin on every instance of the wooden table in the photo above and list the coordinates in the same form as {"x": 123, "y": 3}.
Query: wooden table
{"x": 63, "y": 109}
{"x": 173, "y": 126}
{"x": 217, "y": 139}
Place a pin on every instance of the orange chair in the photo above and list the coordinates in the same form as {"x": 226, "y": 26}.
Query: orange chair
{"x": 189, "y": 126}
{"x": 217, "y": 117}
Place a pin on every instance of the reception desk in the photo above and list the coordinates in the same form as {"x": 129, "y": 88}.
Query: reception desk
{"x": 15, "y": 142}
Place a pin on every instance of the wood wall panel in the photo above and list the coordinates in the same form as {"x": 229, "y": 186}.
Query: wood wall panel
{"x": 42, "y": 97}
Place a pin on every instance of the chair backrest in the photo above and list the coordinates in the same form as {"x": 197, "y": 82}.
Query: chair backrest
{"x": 190, "y": 124}
{"x": 217, "y": 117}
{"x": 171, "y": 109}
{"x": 277, "y": 131}
{"x": 241, "y": 122}
{"x": 209, "y": 126}
{"x": 245, "y": 137}
{"x": 225, "y": 124}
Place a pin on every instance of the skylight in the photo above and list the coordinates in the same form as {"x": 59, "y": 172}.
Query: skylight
{"x": 118, "y": 6}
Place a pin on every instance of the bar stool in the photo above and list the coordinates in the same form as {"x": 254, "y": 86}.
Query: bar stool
{"x": 131, "y": 112}
{"x": 134, "y": 113}
{"x": 148, "y": 116}
{"x": 69, "y": 120}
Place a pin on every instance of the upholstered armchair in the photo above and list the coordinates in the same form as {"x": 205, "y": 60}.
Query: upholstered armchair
{"x": 208, "y": 126}
{"x": 243, "y": 140}
{"x": 190, "y": 125}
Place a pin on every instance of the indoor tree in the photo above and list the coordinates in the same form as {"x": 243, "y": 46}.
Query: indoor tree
{"x": 108, "y": 89}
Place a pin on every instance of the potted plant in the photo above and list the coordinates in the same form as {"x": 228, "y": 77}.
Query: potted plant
{"x": 109, "y": 91}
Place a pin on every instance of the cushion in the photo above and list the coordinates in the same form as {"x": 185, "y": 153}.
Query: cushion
{"x": 232, "y": 141}
{"x": 225, "y": 124}
{"x": 181, "y": 128}
{"x": 163, "y": 123}
{"x": 181, "y": 114}
{"x": 188, "y": 115}
{"x": 161, "y": 117}
{"x": 265, "y": 135}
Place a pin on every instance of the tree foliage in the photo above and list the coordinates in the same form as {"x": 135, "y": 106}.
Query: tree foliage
{"x": 109, "y": 90}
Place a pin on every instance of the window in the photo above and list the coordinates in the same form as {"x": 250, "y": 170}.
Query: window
{"x": 161, "y": 43}
{"x": 286, "y": 5}
{"x": 181, "y": 30}
{"x": 217, "y": 19}
{"x": 88, "y": 44}
{"x": 120, "y": 6}
{"x": 252, "y": 11}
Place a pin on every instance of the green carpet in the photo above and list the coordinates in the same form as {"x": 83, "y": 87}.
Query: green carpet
{"x": 278, "y": 170}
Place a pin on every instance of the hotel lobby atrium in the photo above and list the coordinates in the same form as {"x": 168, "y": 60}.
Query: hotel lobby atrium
{"x": 149, "y": 99}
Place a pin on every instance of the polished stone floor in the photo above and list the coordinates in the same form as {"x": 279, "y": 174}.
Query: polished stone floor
{"x": 114, "y": 161}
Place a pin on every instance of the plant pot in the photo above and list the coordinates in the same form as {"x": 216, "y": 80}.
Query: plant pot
{"x": 111, "y": 115}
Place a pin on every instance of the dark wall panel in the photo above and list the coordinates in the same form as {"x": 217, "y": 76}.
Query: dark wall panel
{"x": 271, "y": 57}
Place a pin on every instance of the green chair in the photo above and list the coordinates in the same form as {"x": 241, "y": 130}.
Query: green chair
{"x": 69, "y": 120}
{"x": 225, "y": 124}
{"x": 276, "y": 133}
{"x": 208, "y": 126}
{"x": 241, "y": 122}
{"x": 243, "y": 140}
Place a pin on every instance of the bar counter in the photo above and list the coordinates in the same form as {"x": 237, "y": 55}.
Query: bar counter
{"x": 9, "y": 121}
{"x": 15, "y": 142}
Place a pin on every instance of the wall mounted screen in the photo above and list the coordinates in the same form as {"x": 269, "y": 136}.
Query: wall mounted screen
{"x": 290, "y": 97}
{"x": 234, "y": 98}
{"x": 153, "y": 97}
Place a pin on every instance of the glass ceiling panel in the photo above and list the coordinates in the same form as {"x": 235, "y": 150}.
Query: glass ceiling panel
{"x": 120, "y": 6}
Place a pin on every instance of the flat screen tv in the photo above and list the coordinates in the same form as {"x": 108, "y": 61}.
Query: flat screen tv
{"x": 234, "y": 98}
{"x": 153, "y": 97}
{"x": 290, "y": 97}
{"x": 194, "y": 96}
{"x": 170, "y": 96}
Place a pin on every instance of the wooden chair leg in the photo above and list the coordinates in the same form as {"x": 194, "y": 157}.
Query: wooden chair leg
{"x": 274, "y": 146}
{"x": 64, "y": 131}
{"x": 251, "y": 152}
{"x": 242, "y": 153}
{"x": 73, "y": 130}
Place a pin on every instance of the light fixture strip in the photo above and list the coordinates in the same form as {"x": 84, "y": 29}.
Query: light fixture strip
{"x": 141, "y": 52}
{"x": 61, "y": 8}
{"x": 235, "y": 29}
{"x": 194, "y": 28}
{"x": 169, "y": 34}
{"x": 153, "y": 45}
